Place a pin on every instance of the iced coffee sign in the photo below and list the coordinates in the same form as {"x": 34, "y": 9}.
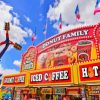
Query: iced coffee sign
{"x": 89, "y": 72}
{"x": 14, "y": 80}
{"x": 62, "y": 75}
{"x": 28, "y": 59}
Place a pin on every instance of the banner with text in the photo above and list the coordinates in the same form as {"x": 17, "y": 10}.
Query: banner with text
{"x": 52, "y": 77}
{"x": 74, "y": 46}
{"x": 15, "y": 80}
{"x": 89, "y": 72}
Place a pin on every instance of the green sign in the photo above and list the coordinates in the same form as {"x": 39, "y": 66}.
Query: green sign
{"x": 60, "y": 91}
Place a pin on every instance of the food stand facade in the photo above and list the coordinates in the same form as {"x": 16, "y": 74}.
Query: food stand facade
{"x": 16, "y": 82}
{"x": 65, "y": 65}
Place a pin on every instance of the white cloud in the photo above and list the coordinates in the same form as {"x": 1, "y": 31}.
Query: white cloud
{"x": 29, "y": 31}
{"x": 15, "y": 14}
{"x": 7, "y": 71}
{"x": 17, "y": 63}
{"x": 27, "y": 18}
{"x": 67, "y": 9}
{"x": 16, "y": 21}
{"x": 16, "y": 33}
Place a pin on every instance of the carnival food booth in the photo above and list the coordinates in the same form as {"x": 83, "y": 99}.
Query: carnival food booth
{"x": 17, "y": 82}
{"x": 65, "y": 66}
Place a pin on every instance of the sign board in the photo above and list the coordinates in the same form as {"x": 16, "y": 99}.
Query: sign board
{"x": 51, "y": 77}
{"x": 46, "y": 91}
{"x": 89, "y": 72}
{"x": 94, "y": 90}
{"x": 70, "y": 47}
{"x": 29, "y": 59}
{"x": 60, "y": 91}
{"x": 73, "y": 91}
{"x": 74, "y": 46}
{"x": 15, "y": 80}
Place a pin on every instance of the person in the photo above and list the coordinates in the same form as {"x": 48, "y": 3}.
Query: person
{"x": 64, "y": 98}
{"x": 30, "y": 97}
{"x": 2, "y": 98}
{"x": 59, "y": 97}
{"x": 25, "y": 97}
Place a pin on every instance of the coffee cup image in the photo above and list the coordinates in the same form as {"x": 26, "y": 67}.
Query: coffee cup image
{"x": 84, "y": 50}
{"x": 83, "y": 57}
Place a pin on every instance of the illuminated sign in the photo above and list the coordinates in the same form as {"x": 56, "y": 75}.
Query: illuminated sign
{"x": 65, "y": 36}
{"x": 14, "y": 79}
{"x": 73, "y": 91}
{"x": 28, "y": 59}
{"x": 46, "y": 91}
{"x": 89, "y": 72}
{"x": 19, "y": 79}
{"x": 69, "y": 47}
{"x": 62, "y": 75}
{"x": 59, "y": 91}
{"x": 94, "y": 90}
{"x": 33, "y": 90}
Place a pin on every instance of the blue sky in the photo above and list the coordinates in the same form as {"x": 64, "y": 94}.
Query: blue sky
{"x": 25, "y": 15}
{"x": 36, "y": 11}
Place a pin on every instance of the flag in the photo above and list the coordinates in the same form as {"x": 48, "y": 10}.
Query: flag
{"x": 33, "y": 38}
{"x": 34, "y": 35}
{"x": 0, "y": 78}
{"x": 45, "y": 29}
{"x": 60, "y": 22}
{"x": 97, "y": 7}
{"x": 77, "y": 13}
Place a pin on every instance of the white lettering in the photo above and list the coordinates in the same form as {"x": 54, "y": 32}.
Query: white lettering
{"x": 53, "y": 75}
{"x": 16, "y": 79}
{"x": 84, "y": 72}
{"x": 86, "y": 32}
{"x": 66, "y": 74}
{"x": 61, "y": 75}
{"x": 46, "y": 76}
{"x": 21, "y": 79}
{"x": 9, "y": 80}
{"x": 95, "y": 68}
{"x": 36, "y": 78}
{"x": 65, "y": 36}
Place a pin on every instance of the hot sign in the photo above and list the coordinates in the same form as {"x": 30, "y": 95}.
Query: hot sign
{"x": 89, "y": 72}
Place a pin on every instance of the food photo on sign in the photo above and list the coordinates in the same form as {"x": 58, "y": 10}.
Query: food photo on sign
{"x": 28, "y": 59}
{"x": 61, "y": 52}
{"x": 67, "y": 53}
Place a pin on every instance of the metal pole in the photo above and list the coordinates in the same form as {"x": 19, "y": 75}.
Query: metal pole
{"x": 13, "y": 93}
